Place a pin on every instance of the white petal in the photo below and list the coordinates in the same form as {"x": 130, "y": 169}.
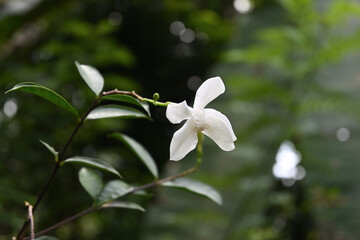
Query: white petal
{"x": 219, "y": 129}
{"x": 183, "y": 141}
{"x": 208, "y": 91}
{"x": 177, "y": 112}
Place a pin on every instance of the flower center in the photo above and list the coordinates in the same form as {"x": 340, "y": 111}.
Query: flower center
{"x": 198, "y": 116}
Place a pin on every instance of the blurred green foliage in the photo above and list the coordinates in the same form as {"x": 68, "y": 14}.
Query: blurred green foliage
{"x": 291, "y": 69}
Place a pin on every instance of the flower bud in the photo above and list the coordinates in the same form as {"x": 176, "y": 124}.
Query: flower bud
{"x": 156, "y": 96}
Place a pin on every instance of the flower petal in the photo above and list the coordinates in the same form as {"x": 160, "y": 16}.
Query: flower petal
{"x": 177, "y": 112}
{"x": 183, "y": 141}
{"x": 208, "y": 91}
{"x": 219, "y": 130}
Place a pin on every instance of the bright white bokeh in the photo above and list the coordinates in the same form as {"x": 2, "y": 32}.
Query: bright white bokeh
{"x": 286, "y": 166}
{"x": 242, "y": 6}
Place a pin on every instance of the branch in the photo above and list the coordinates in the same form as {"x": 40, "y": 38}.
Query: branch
{"x": 154, "y": 101}
{"x": 80, "y": 214}
{"x": 31, "y": 218}
{"x": 135, "y": 95}
{"x": 91, "y": 209}
{"x": 23, "y": 229}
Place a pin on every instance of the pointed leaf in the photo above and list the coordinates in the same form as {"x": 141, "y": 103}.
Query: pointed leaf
{"x": 128, "y": 99}
{"x": 112, "y": 190}
{"x": 91, "y": 181}
{"x": 139, "y": 150}
{"x": 121, "y": 204}
{"x": 110, "y": 111}
{"x": 196, "y": 187}
{"x": 91, "y": 162}
{"x": 92, "y": 77}
{"x": 51, "y": 149}
{"x": 46, "y": 94}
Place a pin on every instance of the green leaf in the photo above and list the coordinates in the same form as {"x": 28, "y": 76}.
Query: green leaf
{"x": 92, "y": 77}
{"x": 51, "y": 149}
{"x": 91, "y": 181}
{"x": 121, "y": 204}
{"x": 46, "y": 238}
{"x": 110, "y": 111}
{"x": 139, "y": 150}
{"x": 195, "y": 187}
{"x": 128, "y": 99}
{"x": 46, "y": 94}
{"x": 91, "y": 162}
{"x": 112, "y": 190}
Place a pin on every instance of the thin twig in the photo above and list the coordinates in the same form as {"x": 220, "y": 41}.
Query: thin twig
{"x": 22, "y": 231}
{"x": 80, "y": 214}
{"x": 31, "y": 219}
{"x": 91, "y": 209}
{"x": 135, "y": 95}
{"x": 25, "y": 225}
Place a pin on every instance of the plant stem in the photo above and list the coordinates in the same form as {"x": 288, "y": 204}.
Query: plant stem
{"x": 135, "y": 95}
{"x": 143, "y": 187}
{"x": 80, "y": 214}
{"x": 31, "y": 219}
{"x": 25, "y": 226}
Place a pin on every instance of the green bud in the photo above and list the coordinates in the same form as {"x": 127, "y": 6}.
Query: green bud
{"x": 156, "y": 96}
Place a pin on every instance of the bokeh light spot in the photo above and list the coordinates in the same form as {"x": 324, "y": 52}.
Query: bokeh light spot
{"x": 202, "y": 36}
{"x": 187, "y": 35}
{"x": 343, "y": 134}
{"x": 13, "y": 130}
{"x": 115, "y": 18}
{"x": 242, "y": 6}
{"x": 176, "y": 28}
{"x": 10, "y": 108}
{"x": 286, "y": 166}
{"x": 194, "y": 83}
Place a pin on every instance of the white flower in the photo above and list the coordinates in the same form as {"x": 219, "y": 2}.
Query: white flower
{"x": 209, "y": 121}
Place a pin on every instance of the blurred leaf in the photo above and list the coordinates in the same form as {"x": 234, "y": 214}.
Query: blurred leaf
{"x": 120, "y": 54}
{"x": 120, "y": 204}
{"x": 92, "y": 77}
{"x": 340, "y": 11}
{"x": 91, "y": 162}
{"x": 51, "y": 149}
{"x": 110, "y": 111}
{"x": 112, "y": 190}
{"x": 336, "y": 48}
{"x": 46, "y": 238}
{"x": 91, "y": 181}
{"x": 195, "y": 187}
{"x": 128, "y": 99}
{"x": 76, "y": 28}
{"x": 47, "y": 94}
{"x": 139, "y": 150}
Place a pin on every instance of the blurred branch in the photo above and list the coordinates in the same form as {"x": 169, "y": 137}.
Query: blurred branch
{"x": 26, "y": 29}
